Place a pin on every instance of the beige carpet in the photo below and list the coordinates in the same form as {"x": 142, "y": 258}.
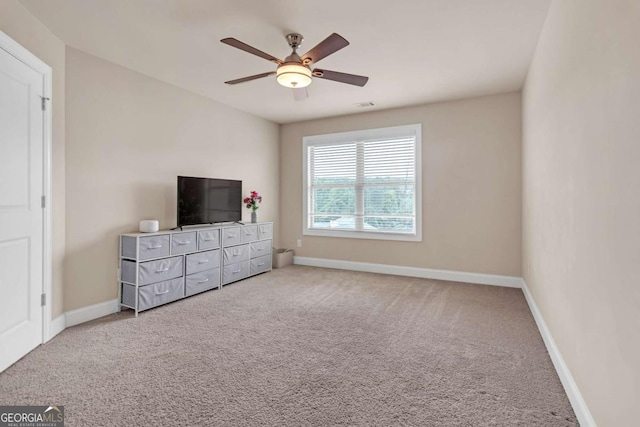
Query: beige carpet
{"x": 304, "y": 346}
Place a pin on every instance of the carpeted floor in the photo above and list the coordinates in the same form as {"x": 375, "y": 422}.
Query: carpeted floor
{"x": 304, "y": 346}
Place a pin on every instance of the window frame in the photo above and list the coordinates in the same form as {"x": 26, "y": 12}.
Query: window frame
{"x": 414, "y": 130}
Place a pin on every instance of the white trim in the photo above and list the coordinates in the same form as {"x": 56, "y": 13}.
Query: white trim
{"x": 22, "y": 54}
{"x": 91, "y": 312}
{"x": 363, "y": 135}
{"x": 570, "y": 387}
{"x": 352, "y": 234}
{"x": 425, "y": 273}
{"x": 47, "y": 331}
{"x": 82, "y": 315}
{"x": 58, "y": 325}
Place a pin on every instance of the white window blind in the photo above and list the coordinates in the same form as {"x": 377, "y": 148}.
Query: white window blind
{"x": 363, "y": 182}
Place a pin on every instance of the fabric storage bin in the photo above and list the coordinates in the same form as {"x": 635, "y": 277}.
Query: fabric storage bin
{"x": 265, "y": 231}
{"x": 160, "y": 270}
{"x": 260, "y": 248}
{"x": 249, "y": 233}
{"x": 208, "y": 239}
{"x": 234, "y": 272}
{"x": 202, "y": 261}
{"x": 150, "y": 247}
{"x": 260, "y": 264}
{"x": 153, "y": 295}
{"x": 282, "y": 258}
{"x": 235, "y": 254}
{"x": 231, "y": 236}
{"x": 182, "y": 243}
{"x": 203, "y": 281}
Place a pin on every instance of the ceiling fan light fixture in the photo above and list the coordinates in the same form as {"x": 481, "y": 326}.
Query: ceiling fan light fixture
{"x": 293, "y": 75}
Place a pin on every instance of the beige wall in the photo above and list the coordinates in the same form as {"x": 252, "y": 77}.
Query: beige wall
{"x": 581, "y": 210}
{"x": 22, "y": 27}
{"x": 471, "y": 187}
{"x": 128, "y": 137}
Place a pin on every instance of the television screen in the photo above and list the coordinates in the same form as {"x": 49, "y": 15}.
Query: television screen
{"x": 208, "y": 200}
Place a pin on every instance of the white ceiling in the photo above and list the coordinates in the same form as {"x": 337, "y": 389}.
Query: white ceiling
{"x": 414, "y": 51}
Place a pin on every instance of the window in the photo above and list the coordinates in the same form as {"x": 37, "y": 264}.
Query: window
{"x": 363, "y": 184}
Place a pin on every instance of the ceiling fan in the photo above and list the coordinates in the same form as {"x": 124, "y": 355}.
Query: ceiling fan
{"x": 295, "y": 71}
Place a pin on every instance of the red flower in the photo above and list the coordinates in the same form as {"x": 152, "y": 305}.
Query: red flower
{"x": 252, "y": 201}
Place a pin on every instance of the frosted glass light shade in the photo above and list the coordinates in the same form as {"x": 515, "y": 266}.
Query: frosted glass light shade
{"x": 293, "y": 75}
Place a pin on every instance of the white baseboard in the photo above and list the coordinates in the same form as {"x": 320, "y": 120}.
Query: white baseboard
{"x": 425, "y": 273}
{"x": 85, "y": 314}
{"x": 57, "y": 325}
{"x": 570, "y": 387}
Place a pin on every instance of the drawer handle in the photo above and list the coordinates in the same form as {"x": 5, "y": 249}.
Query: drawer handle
{"x": 186, "y": 242}
{"x": 203, "y": 261}
{"x": 236, "y": 253}
{"x": 203, "y": 281}
{"x": 260, "y": 264}
{"x": 236, "y": 272}
{"x": 163, "y": 270}
{"x": 162, "y": 293}
{"x": 155, "y": 247}
{"x": 208, "y": 240}
{"x": 258, "y": 248}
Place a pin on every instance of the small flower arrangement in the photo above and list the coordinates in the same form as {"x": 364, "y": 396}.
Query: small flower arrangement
{"x": 252, "y": 201}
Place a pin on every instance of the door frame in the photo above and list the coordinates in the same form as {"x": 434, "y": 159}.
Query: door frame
{"x": 23, "y": 55}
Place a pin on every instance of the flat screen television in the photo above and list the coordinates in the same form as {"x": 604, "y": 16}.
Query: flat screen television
{"x": 208, "y": 200}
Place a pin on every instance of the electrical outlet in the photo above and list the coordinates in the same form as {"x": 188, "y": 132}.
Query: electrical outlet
{"x": 299, "y": 243}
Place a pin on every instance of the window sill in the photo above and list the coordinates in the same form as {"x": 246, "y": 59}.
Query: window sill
{"x": 349, "y": 234}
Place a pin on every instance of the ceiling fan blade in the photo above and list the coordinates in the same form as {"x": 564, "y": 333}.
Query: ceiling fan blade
{"x": 300, "y": 94}
{"x": 330, "y": 45}
{"x": 249, "y": 78}
{"x": 336, "y": 76}
{"x": 250, "y": 49}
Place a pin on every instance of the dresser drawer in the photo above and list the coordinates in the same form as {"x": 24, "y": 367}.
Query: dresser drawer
{"x": 150, "y": 247}
{"x": 263, "y": 247}
{"x": 265, "y": 231}
{"x": 182, "y": 243}
{"x": 203, "y": 261}
{"x": 249, "y": 233}
{"x": 153, "y": 295}
{"x": 201, "y": 282}
{"x": 260, "y": 264}
{"x": 208, "y": 239}
{"x": 235, "y": 254}
{"x": 233, "y": 272}
{"x": 231, "y": 236}
{"x": 158, "y": 270}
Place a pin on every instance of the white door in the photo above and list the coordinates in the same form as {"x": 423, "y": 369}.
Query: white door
{"x": 21, "y": 214}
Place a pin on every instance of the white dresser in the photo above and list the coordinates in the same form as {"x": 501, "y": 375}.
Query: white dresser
{"x": 158, "y": 268}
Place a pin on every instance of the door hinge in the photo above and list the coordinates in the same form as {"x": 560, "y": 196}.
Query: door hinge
{"x": 43, "y": 300}
{"x": 44, "y": 102}
{"x": 43, "y": 201}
